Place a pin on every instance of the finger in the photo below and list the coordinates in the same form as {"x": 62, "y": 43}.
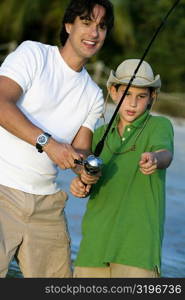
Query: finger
{"x": 77, "y": 192}
{"x": 147, "y": 171}
{"x": 147, "y": 164}
{"x": 88, "y": 187}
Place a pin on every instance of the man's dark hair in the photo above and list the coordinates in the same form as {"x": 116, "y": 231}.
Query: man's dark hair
{"x": 81, "y": 7}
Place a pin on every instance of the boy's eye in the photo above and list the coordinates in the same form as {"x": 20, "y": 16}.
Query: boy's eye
{"x": 122, "y": 91}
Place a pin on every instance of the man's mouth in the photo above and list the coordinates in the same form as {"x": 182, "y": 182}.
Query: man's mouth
{"x": 89, "y": 43}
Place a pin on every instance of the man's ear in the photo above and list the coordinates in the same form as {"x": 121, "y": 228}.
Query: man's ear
{"x": 68, "y": 27}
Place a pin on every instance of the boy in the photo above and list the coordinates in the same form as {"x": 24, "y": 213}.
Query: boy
{"x": 122, "y": 228}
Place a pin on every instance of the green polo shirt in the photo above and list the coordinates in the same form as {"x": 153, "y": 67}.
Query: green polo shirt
{"x": 124, "y": 218}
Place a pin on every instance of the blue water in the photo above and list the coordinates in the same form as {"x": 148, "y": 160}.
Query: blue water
{"x": 173, "y": 254}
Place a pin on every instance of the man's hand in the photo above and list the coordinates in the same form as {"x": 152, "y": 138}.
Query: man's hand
{"x": 79, "y": 189}
{"x": 148, "y": 163}
{"x": 62, "y": 154}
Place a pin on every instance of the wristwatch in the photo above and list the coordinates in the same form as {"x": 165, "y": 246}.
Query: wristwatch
{"x": 42, "y": 140}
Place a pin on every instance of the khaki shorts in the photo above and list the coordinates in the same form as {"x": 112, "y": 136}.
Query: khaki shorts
{"x": 33, "y": 229}
{"x": 114, "y": 271}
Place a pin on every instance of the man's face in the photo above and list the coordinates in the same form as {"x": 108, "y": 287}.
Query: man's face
{"x": 87, "y": 34}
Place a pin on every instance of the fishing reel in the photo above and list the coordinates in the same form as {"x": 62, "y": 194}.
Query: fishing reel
{"x": 92, "y": 164}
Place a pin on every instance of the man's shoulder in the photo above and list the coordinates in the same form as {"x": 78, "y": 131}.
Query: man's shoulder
{"x": 93, "y": 84}
{"x": 34, "y": 51}
{"x": 34, "y": 45}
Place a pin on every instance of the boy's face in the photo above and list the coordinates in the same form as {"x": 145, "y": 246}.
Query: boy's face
{"x": 87, "y": 35}
{"x": 134, "y": 104}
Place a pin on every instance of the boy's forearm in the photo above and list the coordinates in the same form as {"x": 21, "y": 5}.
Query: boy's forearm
{"x": 164, "y": 158}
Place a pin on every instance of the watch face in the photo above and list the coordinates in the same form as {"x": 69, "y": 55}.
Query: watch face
{"x": 42, "y": 139}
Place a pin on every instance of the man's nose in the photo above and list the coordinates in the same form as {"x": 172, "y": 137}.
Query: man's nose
{"x": 94, "y": 31}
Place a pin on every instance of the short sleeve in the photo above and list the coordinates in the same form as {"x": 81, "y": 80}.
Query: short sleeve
{"x": 162, "y": 136}
{"x": 20, "y": 65}
{"x": 95, "y": 112}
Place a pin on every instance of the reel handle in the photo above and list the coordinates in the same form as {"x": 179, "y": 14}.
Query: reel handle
{"x": 78, "y": 162}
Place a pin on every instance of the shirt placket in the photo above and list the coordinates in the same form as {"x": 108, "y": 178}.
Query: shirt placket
{"x": 126, "y": 134}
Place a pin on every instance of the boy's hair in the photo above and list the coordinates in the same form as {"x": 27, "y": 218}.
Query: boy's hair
{"x": 81, "y": 7}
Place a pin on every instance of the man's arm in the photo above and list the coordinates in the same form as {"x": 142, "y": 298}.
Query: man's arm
{"x": 82, "y": 143}
{"x": 14, "y": 121}
{"x": 11, "y": 118}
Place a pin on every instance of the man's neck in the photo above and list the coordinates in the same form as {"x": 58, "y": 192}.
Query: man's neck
{"x": 71, "y": 60}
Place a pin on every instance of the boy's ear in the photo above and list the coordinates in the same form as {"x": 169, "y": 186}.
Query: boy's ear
{"x": 113, "y": 92}
{"x": 153, "y": 98}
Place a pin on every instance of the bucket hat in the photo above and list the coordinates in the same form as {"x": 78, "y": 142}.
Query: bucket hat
{"x": 144, "y": 76}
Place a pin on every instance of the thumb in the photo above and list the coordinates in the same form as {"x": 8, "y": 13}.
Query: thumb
{"x": 81, "y": 156}
{"x": 144, "y": 158}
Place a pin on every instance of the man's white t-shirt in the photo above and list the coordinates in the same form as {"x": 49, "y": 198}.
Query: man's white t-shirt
{"x": 56, "y": 99}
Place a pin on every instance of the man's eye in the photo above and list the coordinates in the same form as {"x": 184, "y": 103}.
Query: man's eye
{"x": 142, "y": 96}
{"x": 103, "y": 26}
{"x": 86, "y": 22}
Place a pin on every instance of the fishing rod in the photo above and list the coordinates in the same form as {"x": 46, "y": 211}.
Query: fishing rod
{"x": 99, "y": 146}
{"x": 93, "y": 162}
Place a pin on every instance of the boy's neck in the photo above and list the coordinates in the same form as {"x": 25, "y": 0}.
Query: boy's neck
{"x": 121, "y": 126}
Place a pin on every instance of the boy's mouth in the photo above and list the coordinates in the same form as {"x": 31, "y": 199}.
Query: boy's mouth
{"x": 130, "y": 113}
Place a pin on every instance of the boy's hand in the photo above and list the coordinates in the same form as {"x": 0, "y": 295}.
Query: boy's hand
{"x": 89, "y": 179}
{"x": 79, "y": 189}
{"x": 148, "y": 163}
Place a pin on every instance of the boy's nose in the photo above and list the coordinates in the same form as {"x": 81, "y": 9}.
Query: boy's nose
{"x": 133, "y": 101}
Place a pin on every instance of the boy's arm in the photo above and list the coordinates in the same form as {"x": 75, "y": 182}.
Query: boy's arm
{"x": 150, "y": 161}
{"x": 164, "y": 158}
{"x": 78, "y": 188}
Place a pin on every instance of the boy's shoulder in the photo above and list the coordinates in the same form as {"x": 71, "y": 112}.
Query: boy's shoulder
{"x": 160, "y": 120}
{"x": 99, "y": 130}
{"x": 98, "y": 133}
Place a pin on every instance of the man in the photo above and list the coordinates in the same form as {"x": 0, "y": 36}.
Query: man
{"x": 49, "y": 106}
